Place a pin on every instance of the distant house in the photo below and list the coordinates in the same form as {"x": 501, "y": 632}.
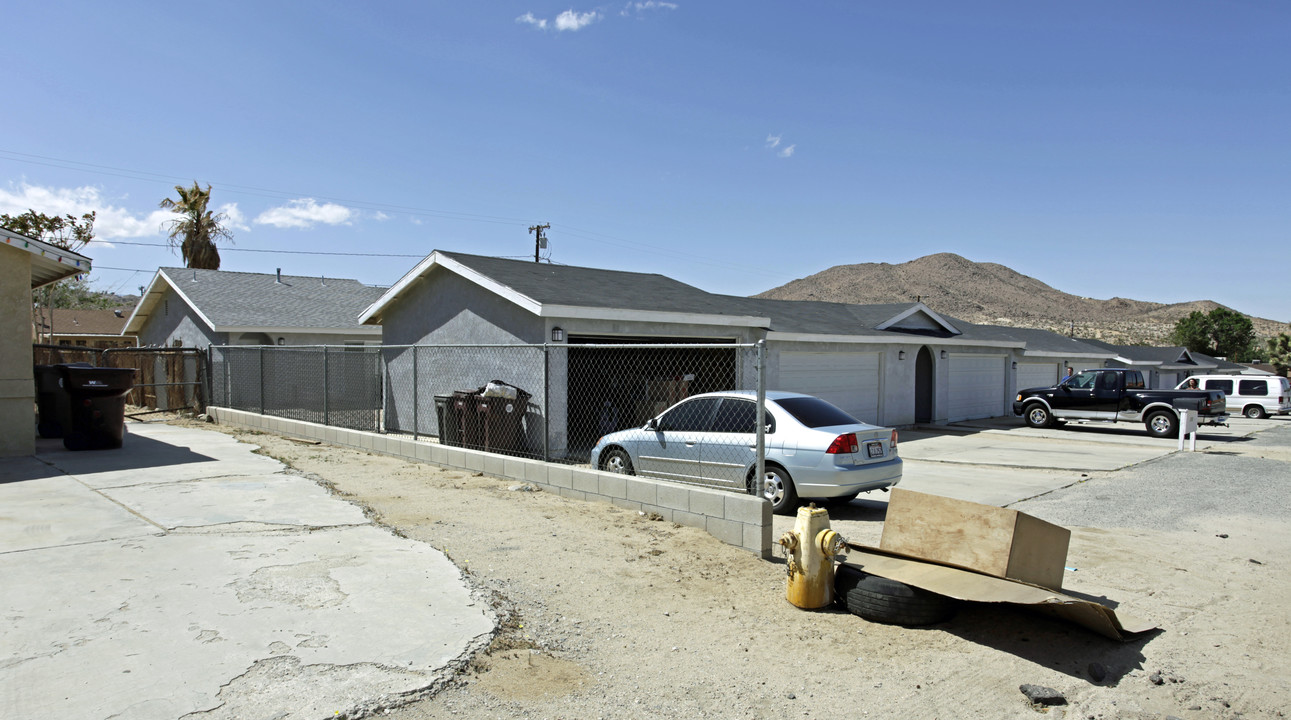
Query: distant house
{"x": 85, "y": 328}
{"x": 183, "y": 307}
{"x": 1162, "y": 367}
{"x": 892, "y": 364}
{"x": 25, "y": 264}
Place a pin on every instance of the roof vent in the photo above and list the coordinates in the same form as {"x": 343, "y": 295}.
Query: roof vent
{"x": 279, "y": 280}
{"x": 118, "y": 313}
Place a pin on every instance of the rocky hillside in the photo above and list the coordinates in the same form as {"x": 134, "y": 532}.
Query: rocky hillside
{"x": 994, "y": 294}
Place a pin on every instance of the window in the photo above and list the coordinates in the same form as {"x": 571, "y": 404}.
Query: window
{"x": 691, "y": 416}
{"x": 739, "y": 416}
{"x": 1134, "y": 380}
{"x": 814, "y": 412}
{"x": 1083, "y": 380}
{"x": 1225, "y": 385}
{"x": 1252, "y": 387}
{"x": 1108, "y": 381}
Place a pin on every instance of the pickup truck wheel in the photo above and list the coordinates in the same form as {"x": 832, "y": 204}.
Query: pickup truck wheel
{"x": 1162, "y": 424}
{"x": 1038, "y": 416}
{"x": 887, "y": 601}
{"x": 1254, "y": 412}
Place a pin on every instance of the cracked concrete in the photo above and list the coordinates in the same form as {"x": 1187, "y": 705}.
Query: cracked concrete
{"x": 185, "y": 576}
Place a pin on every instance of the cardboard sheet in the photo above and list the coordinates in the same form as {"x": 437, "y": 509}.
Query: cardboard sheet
{"x": 976, "y": 587}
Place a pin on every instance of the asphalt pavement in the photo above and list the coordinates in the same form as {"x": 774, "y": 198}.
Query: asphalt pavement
{"x": 182, "y": 574}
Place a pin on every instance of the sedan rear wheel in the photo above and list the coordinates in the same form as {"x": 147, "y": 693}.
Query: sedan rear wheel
{"x": 777, "y": 487}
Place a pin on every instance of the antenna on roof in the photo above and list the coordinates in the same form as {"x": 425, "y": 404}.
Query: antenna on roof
{"x": 540, "y": 242}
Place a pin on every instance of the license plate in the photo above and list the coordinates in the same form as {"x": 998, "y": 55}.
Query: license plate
{"x": 874, "y": 449}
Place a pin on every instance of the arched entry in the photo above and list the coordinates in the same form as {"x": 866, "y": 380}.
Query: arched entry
{"x": 923, "y": 386}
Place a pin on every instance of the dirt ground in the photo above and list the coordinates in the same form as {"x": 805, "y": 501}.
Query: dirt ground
{"x": 606, "y": 613}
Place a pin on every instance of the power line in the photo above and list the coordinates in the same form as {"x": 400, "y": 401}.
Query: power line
{"x": 276, "y": 252}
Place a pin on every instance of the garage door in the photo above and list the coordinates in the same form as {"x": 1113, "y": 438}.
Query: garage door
{"x": 1037, "y": 375}
{"x": 848, "y": 380}
{"x": 976, "y": 387}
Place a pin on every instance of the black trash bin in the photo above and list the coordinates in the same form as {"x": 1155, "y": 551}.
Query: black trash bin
{"x": 501, "y": 421}
{"x": 470, "y": 431}
{"x": 52, "y": 404}
{"x": 97, "y": 406}
{"x": 450, "y": 423}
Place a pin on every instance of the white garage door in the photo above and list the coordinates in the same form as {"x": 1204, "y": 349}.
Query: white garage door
{"x": 848, "y": 380}
{"x": 976, "y": 387}
{"x": 1037, "y": 375}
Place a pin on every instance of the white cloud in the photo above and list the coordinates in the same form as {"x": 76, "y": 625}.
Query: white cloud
{"x": 233, "y": 217}
{"x": 773, "y": 142}
{"x": 529, "y": 19}
{"x": 641, "y": 7}
{"x": 568, "y": 20}
{"x": 111, "y": 221}
{"x": 305, "y": 213}
{"x": 380, "y": 216}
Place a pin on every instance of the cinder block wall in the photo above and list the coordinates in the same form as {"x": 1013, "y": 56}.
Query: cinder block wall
{"x": 740, "y": 520}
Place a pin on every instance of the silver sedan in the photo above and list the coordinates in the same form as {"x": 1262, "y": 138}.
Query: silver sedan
{"x": 813, "y": 449}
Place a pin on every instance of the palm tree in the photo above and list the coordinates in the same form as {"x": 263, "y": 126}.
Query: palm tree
{"x": 197, "y": 228}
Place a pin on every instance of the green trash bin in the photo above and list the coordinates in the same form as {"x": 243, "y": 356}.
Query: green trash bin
{"x": 450, "y": 421}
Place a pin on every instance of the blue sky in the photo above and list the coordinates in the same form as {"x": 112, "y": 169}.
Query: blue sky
{"x": 1105, "y": 148}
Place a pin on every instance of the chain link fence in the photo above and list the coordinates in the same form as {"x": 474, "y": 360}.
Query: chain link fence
{"x": 550, "y": 402}
{"x": 165, "y": 378}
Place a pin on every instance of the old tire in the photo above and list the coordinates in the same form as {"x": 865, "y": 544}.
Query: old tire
{"x": 887, "y": 601}
{"x": 1254, "y": 412}
{"x": 777, "y": 488}
{"x": 1038, "y": 416}
{"x": 1162, "y": 424}
{"x": 617, "y": 461}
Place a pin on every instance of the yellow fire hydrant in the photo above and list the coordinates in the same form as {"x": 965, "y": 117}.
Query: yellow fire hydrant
{"x": 809, "y": 550}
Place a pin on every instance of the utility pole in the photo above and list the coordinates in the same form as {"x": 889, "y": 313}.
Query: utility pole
{"x": 539, "y": 242}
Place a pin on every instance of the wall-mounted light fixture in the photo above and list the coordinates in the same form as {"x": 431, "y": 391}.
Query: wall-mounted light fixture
{"x": 1015, "y": 367}
{"x": 283, "y": 341}
{"x": 901, "y": 355}
{"x": 944, "y": 354}
{"x": 557, "y": 335}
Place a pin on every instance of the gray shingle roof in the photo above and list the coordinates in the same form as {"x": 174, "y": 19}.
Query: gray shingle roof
{"x": 239, "y": 299}
{"x": 1167, "y": 357}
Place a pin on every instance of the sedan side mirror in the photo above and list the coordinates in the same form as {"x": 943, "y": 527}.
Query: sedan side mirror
{"x": 652, "y": 424}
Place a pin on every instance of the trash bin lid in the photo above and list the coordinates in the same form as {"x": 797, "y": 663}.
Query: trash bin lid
{"x": 97, "y": 378}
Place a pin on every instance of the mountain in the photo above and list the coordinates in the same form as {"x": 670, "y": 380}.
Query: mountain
{"x": 994, "y": 294}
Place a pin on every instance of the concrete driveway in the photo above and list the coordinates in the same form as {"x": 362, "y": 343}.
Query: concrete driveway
{"x": 1001, "y": 461}
{"x": 184, "y": 576}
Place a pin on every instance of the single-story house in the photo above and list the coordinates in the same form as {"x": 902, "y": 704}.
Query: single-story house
{"x": 183, "y": 307}
{"x": 893, "y": 364}
{"x": 25, "y": 264}
{"x": 1162, "y": 367}
{"x": 98, "y": 328}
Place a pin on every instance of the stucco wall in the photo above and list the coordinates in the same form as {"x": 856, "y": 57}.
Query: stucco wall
{"x": 17, "y": 393}
{"x": 172, "y": 319}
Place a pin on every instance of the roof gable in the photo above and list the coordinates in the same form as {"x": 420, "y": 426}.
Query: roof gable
{"x": 236, "y": 301}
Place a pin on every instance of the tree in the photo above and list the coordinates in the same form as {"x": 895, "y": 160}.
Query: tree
{"x": 69, "y": 233}
{"x": 1221, "y": 332}
{"x": 196, "y": 229}
{"x": 1280, "y": 352}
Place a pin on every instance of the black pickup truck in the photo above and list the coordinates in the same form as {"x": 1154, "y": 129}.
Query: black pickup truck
{"x": 1117, "y": 394}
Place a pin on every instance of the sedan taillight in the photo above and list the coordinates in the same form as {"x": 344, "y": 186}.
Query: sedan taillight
{"x": 892, "y": 444}
{"x": 845, "y": 443}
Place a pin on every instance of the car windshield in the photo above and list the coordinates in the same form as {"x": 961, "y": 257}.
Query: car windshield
{"x": 814, "y": 412}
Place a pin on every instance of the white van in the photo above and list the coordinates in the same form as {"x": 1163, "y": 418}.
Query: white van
{"x": 1252, "y": 396}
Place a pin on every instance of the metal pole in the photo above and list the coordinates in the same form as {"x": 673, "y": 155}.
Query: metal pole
{"x": 415, "y": 397}
{"x": 760, "y": 472}
{"x": 327, "y": 416}
{"x": 262, "y": 379}
{"x": 546, "y": 402}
